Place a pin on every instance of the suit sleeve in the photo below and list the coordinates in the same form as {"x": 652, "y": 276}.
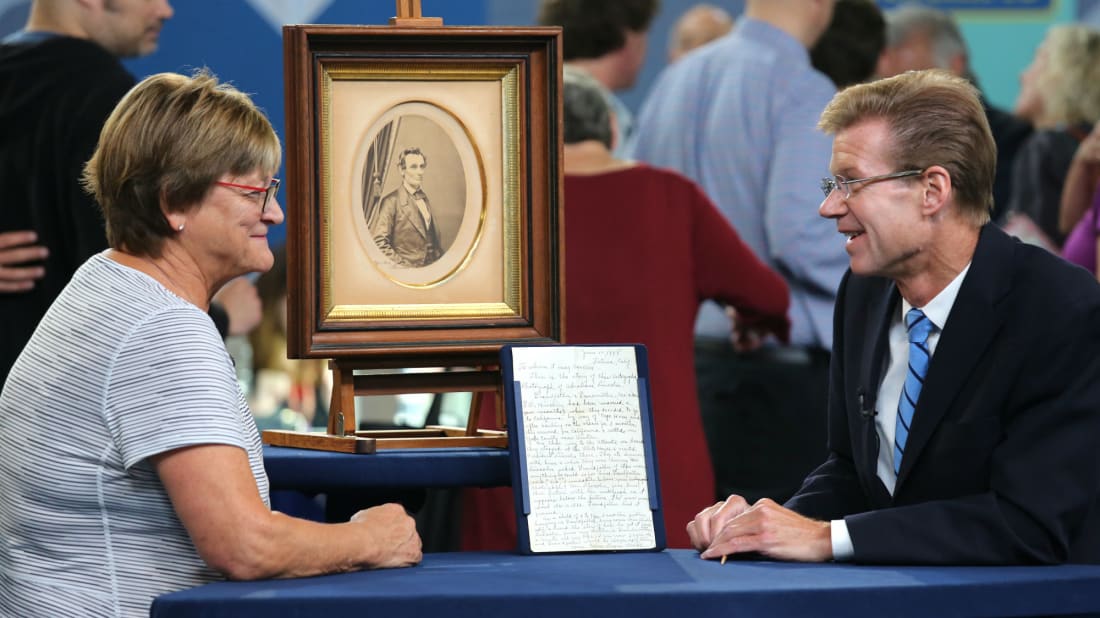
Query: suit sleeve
{"x": 726, "y": 269}
{"x": 833, "y": 489}
{"x": 1044, "y": 464}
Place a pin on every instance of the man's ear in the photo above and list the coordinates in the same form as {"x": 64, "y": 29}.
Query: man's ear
{"x": 95, "y": 6}
{"x": 959, "y": 65}
{"x": 938, "y": 190}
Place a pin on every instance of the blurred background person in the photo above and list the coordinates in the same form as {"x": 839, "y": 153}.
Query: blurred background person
{"x": 739, "y": 117}
{"x": 698, "y": 26}
{"x": 165, "y": 475}
{"x": 849, "y": 50}
{"x": 1079, "y": 215}
{"x": 286, "y": 393}
{"x": 59, "y": 79}
{"x": 606, "y": 38}
{"x": 921, "y": 37}
{"x": 1060, "y": 96}
{"x": 642, "y": 284}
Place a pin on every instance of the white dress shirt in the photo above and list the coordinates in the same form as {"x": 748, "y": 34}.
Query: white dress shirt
{"x": 889, "y": 393}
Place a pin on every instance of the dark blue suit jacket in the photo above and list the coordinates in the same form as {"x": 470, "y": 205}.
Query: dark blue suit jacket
{"x": 1002, "y": 464}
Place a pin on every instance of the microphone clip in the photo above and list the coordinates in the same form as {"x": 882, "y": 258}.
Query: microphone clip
{"x": 867, "y": 412}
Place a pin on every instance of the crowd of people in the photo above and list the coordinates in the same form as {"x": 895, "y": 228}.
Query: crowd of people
{"x": 868, "y": 367}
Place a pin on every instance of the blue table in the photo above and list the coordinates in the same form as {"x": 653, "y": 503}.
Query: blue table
{"x": 320, "y": 471}
{"x": 671, "y": 583}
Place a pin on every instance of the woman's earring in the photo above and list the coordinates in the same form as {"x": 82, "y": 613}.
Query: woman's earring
{"x": 180, "y": 228}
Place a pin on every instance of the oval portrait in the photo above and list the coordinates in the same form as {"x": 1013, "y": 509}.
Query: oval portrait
{"x": 420, "y": 188}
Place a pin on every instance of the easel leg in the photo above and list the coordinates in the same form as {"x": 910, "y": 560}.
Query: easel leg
{"x": 341, "y": 418}
{"x": 475, "y": 414}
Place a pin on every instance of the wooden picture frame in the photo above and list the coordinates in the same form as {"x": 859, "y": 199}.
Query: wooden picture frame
{"x": 482, "y": 105}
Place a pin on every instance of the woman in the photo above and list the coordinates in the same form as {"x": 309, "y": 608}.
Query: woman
{"x": 644, "y": 247}
{"x": 132, "y": 466}
{"x": 1060, "y": 96}
{"x": 1080, "y": 212}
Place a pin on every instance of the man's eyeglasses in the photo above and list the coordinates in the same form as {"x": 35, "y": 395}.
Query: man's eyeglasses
{"x": 269, "y": 192}
{"x": 828, "y": 185}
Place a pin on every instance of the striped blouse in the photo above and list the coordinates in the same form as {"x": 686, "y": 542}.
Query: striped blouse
{"x": 118, "y": 370}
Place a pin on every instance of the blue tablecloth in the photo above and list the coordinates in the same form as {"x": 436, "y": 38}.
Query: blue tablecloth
{"x": 671, "y": 583}
{"x": 318, "y": 471}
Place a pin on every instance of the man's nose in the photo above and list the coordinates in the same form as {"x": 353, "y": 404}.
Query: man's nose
{"x": 833, "y": 206}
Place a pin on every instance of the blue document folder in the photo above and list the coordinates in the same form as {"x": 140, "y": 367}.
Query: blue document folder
{"x": 583, "y": 455}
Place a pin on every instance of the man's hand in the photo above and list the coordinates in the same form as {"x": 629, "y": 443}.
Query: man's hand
{"x": 16, "y": 249}
{"x": 772, "y": 530}
{"x": 242, "y": 303}
{"x": 396, "y": 542}
{"x": 710, "y": 521}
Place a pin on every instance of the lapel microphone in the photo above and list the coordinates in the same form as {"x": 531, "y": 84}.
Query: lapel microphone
{"x": 866, "y": 411}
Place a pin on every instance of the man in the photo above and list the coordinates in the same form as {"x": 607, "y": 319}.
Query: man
{"x": 698, "y": 26}
{"x": 965, "y": 399}
{"x": 920, "y": 37}
{"x": 59, "y": 79}
{"x": 403, "y": 226}
{"x": 739, "y": 117}
{"x": 606, "y": 38}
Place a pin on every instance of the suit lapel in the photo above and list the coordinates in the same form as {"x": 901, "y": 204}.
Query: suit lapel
{"x": 874, "y": 355}
{"x": 970, "y": 329}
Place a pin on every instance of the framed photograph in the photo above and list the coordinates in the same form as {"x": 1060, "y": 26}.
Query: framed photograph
{"x": 423, "y": 184}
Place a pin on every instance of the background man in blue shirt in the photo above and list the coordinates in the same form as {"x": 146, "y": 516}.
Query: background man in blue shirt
{"x": 739, "y": 117}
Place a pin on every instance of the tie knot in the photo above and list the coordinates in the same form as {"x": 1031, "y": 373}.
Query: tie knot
{"x": 919, "y": 326}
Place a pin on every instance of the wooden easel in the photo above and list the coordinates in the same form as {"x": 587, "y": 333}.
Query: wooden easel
{"x": 343, "y": 435}
{"x": 408, "y": 16}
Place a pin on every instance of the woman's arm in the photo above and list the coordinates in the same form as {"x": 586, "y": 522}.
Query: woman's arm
{"x": 215, "y": 496}
{"x": 1097, "y": 271}
{"x": 1081, "y": 182}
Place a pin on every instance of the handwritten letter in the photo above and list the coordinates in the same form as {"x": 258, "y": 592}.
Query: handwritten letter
{"x": 585, "y": 457}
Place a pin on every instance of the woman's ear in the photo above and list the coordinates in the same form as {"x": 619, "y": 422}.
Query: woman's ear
{"x": 176, "y": 220}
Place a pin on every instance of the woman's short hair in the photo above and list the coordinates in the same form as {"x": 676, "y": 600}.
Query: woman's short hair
{"x": 586, "y": 107}
{"x": 1069, "y": 84}
{"x": 935, "y": 118}
{"x": 163, "y": 147}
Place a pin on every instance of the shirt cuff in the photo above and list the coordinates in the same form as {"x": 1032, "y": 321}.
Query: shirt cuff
{"x": 842, "y": 543}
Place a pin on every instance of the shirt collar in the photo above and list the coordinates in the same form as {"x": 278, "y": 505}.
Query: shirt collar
{"x": 939, "y": 307}
{"x": 776, "y": 38}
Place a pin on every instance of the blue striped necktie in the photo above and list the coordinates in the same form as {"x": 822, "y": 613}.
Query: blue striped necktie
{"x": 919, "y": 327}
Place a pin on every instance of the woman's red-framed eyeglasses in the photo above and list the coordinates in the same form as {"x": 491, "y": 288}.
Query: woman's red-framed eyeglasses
{"x": 269, "y": 192}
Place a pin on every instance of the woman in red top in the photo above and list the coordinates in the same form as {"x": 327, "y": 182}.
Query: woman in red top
{"x": 644, "y": 247}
